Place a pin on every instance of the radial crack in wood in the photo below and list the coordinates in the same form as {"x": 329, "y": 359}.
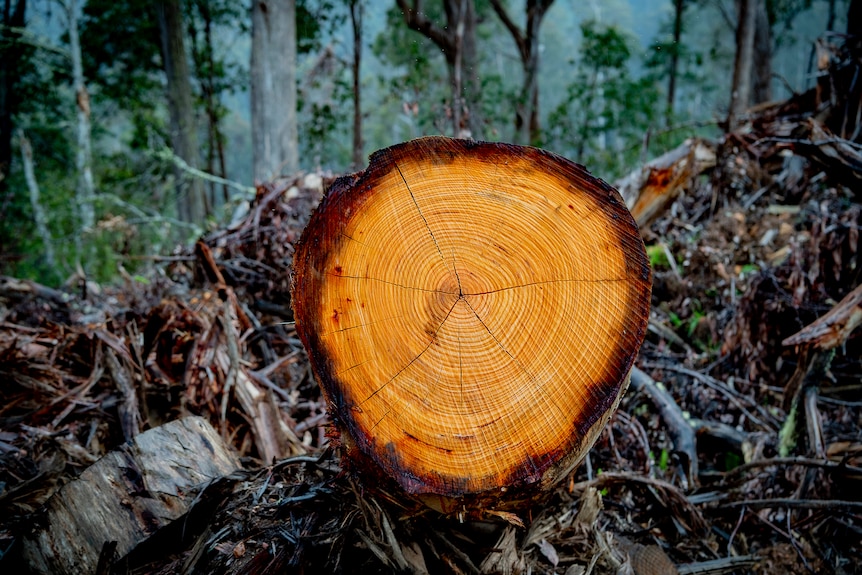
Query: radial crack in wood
{"x": 472, "y": 312}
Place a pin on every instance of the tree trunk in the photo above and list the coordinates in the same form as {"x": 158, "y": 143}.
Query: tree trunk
{"x": 356, "y": 11}
{"x": 471, "y": 81}
{"x": 35, "y": 203}
{"x": 456, "y": 68}
{"x": 596, "y": 78}
{"x": 491, "y": 387}
{"x": 457, "y": 41}
{"x": 762, "y": 81}
{"x": 679, "y": 7}
{"x": 11, "y": 64}
{"x": 84, "y": 157}
{"x": 191, "y": 203}
{"x": 846, "y": 120}
{"x": 205, "y": 70}
{"x": 740, "y": 94}
{"x": 273, "y": 88}
{"x": 527, "y": 124}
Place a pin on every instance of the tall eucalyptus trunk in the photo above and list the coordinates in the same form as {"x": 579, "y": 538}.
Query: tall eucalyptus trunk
{"x": 275, "y": 137}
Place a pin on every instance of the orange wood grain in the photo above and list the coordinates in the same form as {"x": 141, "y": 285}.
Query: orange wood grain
{"x": 471, "y": 311}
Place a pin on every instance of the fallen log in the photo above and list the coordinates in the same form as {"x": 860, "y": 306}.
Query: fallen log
{"x": 472, "y": 312}
{"x": 648, "y": 190}
{"x": 127, "y": 496}
{"x": 14, "y": 289}
{"x": 831, "y": 330}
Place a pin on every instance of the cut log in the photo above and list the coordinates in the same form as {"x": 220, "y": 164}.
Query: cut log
{"x": 649, "y": 190}
{"x": 126, "y": 496}
{"x": 472, "y": 311}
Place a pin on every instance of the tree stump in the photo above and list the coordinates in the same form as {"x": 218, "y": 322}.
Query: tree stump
{"x": 471, "y": 311}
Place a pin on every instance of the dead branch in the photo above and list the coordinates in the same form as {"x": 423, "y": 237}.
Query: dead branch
{"x": 679, "y": 428}
{"x": 832, "y": 329}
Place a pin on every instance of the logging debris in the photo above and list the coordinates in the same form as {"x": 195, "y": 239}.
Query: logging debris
{"x": 745, "y": 255}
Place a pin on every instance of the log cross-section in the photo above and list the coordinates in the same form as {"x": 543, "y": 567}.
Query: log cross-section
{"x": 472, "y": 311}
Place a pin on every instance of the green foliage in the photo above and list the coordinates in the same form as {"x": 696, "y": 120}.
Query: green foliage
{"x": 604, "y": 48}
{"x": 122, "y": 67}
{"x": 326, "y": 116}
{"x": 416, "y": 85}
{"x": 693, "y": 78}
{"x": 495, "y": 89}
{"x": 732, "y": 460}
{"x": 325, "y": 86}
{"x": 121, "y": 51}
{"x": 315, "y": 20}
{"x": 693, "y": 321}
{"x": 123, "y": 70}
{"x": 408, "y": 51}
{"x": 657, "y": 254}
{"x": 664, "y": 459}
{"x": 214, "y": 73}
{"x": 606, "y": 111}
{"x": 42, "y": 113}
{"x": 602, "y": 107}
{"x": 784, "y": 11}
